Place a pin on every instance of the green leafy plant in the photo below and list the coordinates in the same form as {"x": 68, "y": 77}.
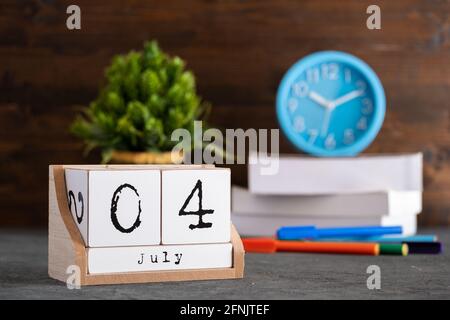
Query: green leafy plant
{"x": 147, "y": 95}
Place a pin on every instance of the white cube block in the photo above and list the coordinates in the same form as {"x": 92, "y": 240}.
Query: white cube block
{"x": 77, "y": 196}
{"x": 156, "y": 258}
{"x": 196, "y": 206}
{"x": 119, "y": 207}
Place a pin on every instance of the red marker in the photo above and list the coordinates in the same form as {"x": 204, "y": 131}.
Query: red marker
{"x": 269, "y": 245}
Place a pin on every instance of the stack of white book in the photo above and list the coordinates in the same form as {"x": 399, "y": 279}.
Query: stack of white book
{"x": 384, "y": 190}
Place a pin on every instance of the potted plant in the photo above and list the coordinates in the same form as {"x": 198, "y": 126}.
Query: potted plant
{"x": 147, "y": 95}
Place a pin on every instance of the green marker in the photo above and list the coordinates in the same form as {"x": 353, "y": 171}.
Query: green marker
{"x": 397, "y": 249}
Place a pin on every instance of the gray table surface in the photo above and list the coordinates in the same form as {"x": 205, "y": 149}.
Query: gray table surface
{"x": 23, "y": 275}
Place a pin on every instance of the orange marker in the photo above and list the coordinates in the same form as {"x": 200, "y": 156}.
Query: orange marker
{"x": 269, "y": 245}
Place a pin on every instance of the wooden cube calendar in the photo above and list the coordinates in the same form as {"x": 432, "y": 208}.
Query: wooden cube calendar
{"x": 130, "y": 224}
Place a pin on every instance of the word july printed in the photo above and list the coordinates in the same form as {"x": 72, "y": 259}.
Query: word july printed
{"x": 160, "y": 258}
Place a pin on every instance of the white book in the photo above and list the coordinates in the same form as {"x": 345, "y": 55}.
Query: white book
{"x": 307, "y": 175}
{"x": 373, "y": 204}
{"x": 266, "y": 226}
{"x": 156, "y": 258}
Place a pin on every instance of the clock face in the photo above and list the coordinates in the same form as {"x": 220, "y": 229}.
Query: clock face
{"x": 331, "y": 104}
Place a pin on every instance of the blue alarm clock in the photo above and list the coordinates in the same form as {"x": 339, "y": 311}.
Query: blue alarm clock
{"x": 331, "y": 103}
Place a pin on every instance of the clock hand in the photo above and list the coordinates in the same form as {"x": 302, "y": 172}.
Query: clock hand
{"x": 326, "y": 122}
{"x": 314, "y": 96}
{"x": 346, "y": 98}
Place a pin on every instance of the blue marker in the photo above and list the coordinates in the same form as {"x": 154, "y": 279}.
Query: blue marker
{"x": 426, "y": 238}
{"x": 417, "y": 238}
{"x": 311, "y": 232}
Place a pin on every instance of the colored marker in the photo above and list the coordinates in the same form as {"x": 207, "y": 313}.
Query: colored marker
{"x": 397, "y": 249}
{"x": 385, "y": 239}
{"x": 416, "y": 238}
{"x": 269, "y": 245}
{"x": 424, "y": 247}
{"x": 311, "y": 232}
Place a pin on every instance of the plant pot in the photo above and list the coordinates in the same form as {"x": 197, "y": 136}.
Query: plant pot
{"x": 130, "y": 157}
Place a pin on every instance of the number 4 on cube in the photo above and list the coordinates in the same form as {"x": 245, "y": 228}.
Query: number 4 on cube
{"x": 196, "y": 206}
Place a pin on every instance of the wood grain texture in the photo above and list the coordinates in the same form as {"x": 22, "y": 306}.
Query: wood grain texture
{"x": 239, "y": 51}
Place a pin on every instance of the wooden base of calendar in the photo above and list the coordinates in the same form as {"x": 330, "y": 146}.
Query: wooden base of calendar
{"x": 66, "y": 248}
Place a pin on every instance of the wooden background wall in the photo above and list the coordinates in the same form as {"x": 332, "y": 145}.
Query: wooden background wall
{"x": 239, "y": 51}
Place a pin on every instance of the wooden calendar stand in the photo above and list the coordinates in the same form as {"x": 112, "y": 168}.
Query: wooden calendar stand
{"x": 66, "y": 247}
